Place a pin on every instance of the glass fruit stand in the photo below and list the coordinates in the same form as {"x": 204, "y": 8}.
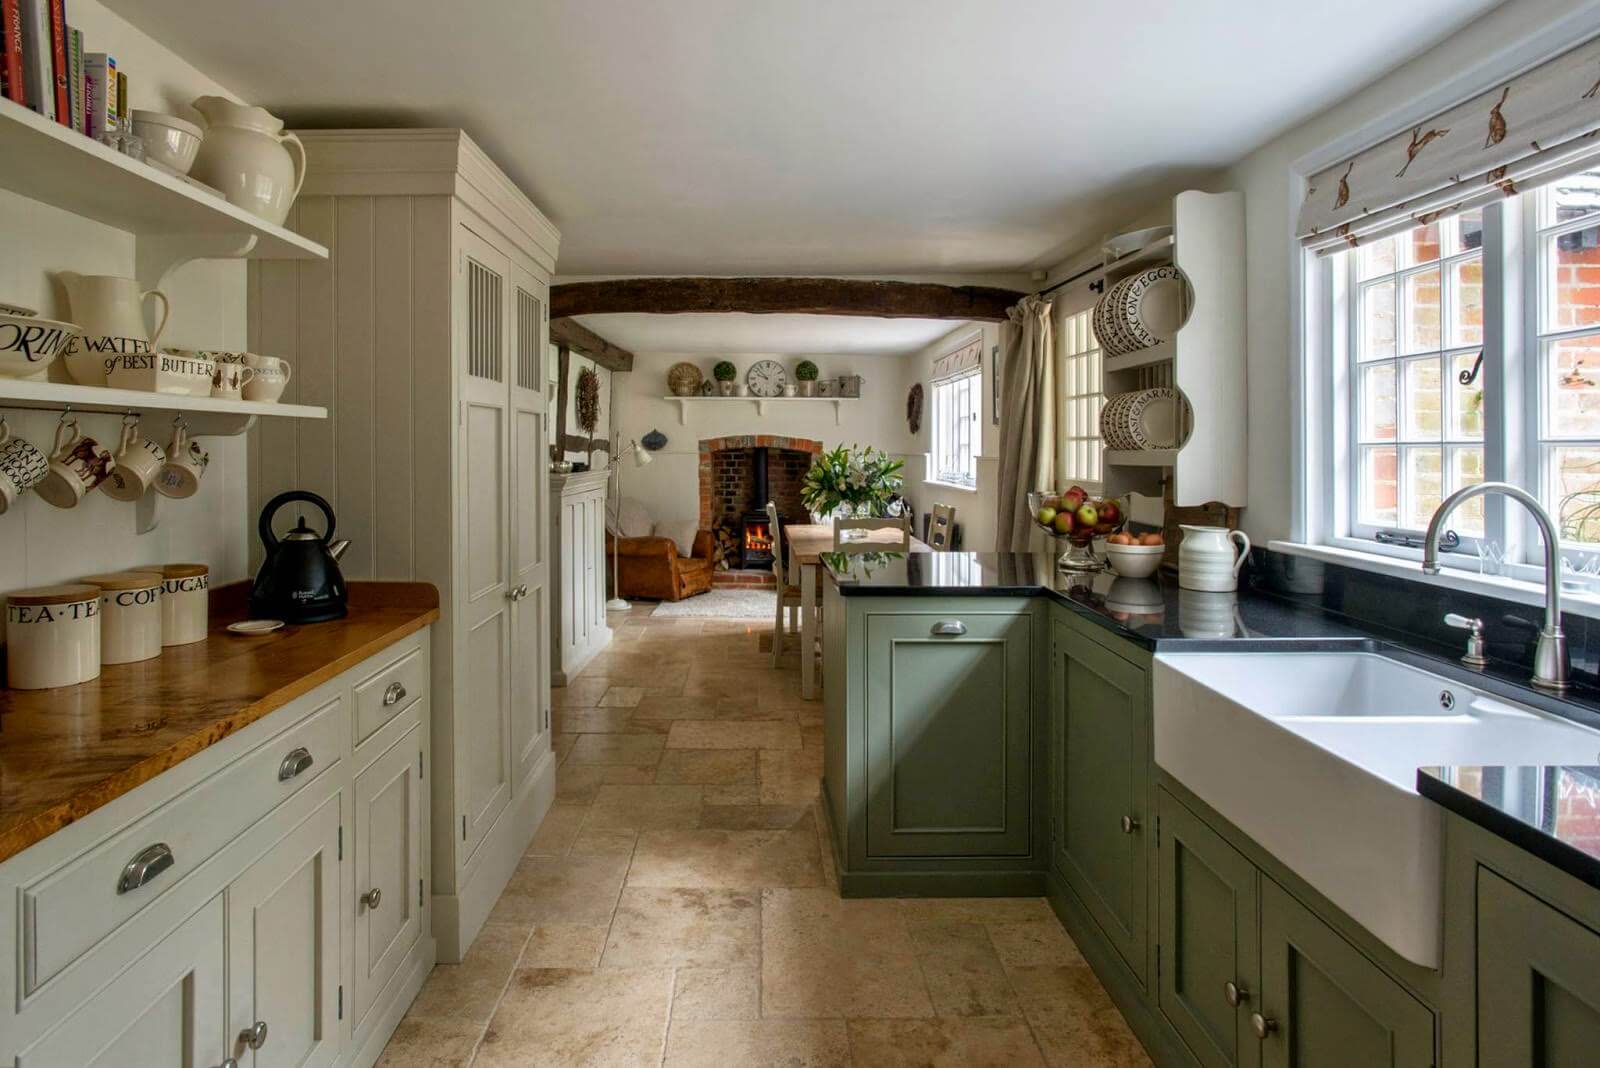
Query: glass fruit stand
{"x": 1078, "y": 519}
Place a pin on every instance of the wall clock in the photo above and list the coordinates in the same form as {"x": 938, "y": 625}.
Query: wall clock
{"x": 766, "y": 378}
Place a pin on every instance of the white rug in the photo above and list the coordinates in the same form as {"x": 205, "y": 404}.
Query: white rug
{"x": 724, "y": 602}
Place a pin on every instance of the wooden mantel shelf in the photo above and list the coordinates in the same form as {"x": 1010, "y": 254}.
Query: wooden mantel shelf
{"x": 68, "y": 751}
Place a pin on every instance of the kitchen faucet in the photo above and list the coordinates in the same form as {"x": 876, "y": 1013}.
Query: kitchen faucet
{"x": 1550, "y": 655}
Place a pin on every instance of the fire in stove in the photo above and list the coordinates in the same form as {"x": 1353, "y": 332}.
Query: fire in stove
{"x": 755, "y": 541}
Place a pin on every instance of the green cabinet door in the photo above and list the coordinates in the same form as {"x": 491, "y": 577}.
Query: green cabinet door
{"x": 1325, "y": 1005}
{"x": 1210, "y": 954}
{"x": 1100, "y": 770}
{"x": 949, "y": 735}
{"x": 1538, "y": 982}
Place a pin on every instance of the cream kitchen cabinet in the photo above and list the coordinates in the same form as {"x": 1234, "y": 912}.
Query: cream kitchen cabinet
{"x": 250, "y": 937}
{"x": 427, "y": 328}
{"x": 578, "y": 627}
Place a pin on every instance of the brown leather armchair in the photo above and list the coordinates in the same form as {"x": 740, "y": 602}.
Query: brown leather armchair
{"x": 651, "y": 567}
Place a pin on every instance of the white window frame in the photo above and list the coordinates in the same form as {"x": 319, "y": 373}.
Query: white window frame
{"x": 957, "y": 404}
{"x": 1080, "y": 387}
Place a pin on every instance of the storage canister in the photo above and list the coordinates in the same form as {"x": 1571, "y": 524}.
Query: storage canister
{"x": 53, "y": 636}
{"x": 184, "y": 603}
{"x": 130, "y": 615}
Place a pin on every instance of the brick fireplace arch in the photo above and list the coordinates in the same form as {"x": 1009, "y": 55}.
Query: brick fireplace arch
{"x": 709, "y": 447}
{"x": 738, "y": 475}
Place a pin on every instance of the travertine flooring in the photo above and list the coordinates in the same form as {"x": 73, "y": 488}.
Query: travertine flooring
{"x": 678, "y": 905}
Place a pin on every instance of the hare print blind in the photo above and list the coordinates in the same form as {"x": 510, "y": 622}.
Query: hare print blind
{"x": 1536, "y": 127}
{"x": 485, "y": 322}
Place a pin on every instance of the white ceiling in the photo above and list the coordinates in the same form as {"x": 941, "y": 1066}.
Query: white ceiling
{"x": 787, "y": 335}
{"x": 816, "y": 136}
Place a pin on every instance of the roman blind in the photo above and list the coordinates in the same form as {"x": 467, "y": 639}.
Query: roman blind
{"x": 1537, "y": 127}
{"x": 963, "y": 361}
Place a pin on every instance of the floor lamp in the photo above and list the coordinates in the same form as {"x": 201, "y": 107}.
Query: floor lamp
{"x": 613, "y": 469}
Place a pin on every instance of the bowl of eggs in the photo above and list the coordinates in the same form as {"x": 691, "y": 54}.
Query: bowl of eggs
{"x": 1135, "y": 555}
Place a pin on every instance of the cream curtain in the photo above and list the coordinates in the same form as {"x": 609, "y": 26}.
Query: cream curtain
{"x": 1536, "y": 127}
{"x": 1027, "y": 423}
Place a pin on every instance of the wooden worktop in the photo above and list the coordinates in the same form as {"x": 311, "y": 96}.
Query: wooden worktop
{"x": 66, "y": 752}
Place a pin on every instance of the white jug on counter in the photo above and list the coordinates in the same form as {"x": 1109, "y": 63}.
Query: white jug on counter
{"x": 1206, "y": 558}
{"x": 245, "y": 154}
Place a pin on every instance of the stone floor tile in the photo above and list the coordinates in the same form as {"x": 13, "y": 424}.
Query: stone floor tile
{"x": 790, "y": 1043}
{"x": 790, "y": 777}
{"x": 720, "y": 767}
{"x": 636, "y": 749}
{"x": 689, "y": 928}
{"x": 730, "y": 860}
{"x": 1032, "y": 943}
{"x": 644, "y": 808}
{"x": 420, "y": 1042}
{"x": 602, "y": 840}
{"x": 564, "y": 945}
{"x": 734, "y": 734}
{"x": 976, "y": 909}
{"x": 964, "y": 975}
{"x": 591, "y": 720}
{"x": 1073, "y": 1018}
{"x": 557, "y": 831}
{"x": 754, "y": 817}
{"x": 579, "y": 693}
{"x": 744, "y": 793}
{"x": 469, "y": 990}
{"x": 561, "y": 890}
{"x": 945, "y": 1043}
{"x": 720, "y": 993}
{"x": 577, "y": 784}
{"x": 610, "y": 1018}
{"x": 629, "y": 775}
{"x": 561, "y": 745}
{"x": 826, "y": 957}
{"x": 622, "y": 697}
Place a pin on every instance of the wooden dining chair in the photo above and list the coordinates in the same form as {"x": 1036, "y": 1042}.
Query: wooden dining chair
{"x": 788, "y": 595}
{"x": 900, "y": 523}
{"x": 941, "y": 527}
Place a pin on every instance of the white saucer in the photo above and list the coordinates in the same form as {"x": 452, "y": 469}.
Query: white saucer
{"x": 253, "y": 627}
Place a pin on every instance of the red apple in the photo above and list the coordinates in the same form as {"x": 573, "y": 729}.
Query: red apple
{"x": 1110, "y": 512}
{"x": 1063, "y": 523}
{"x": 1073, "y": 499}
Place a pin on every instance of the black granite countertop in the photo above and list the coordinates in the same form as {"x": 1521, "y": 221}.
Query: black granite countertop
{"x": 1157, "y": 614}
{"x": 1552, "y": 812}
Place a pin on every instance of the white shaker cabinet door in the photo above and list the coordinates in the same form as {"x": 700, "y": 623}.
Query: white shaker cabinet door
{"x": 484, "y": 625}
{"x": 167, "y": 1008}
{"x": 387, "y": 848}
{"x": 530, "y": 567}
{"x": 283, "y": 950}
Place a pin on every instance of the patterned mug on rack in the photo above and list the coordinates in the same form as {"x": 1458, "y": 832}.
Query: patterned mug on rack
{"x": 22, "y": 467}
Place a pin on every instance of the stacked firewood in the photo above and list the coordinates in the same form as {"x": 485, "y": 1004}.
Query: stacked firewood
{"x": 726, "y": 550}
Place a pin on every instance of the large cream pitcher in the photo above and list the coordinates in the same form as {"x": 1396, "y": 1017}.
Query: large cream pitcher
{"x": 245, "y": 154}
{"x": 109, "y": 313}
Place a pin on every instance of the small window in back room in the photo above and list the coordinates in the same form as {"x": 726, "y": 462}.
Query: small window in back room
{"x": 957, "y": 403}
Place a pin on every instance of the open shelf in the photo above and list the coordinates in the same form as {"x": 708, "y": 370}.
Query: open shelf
{"x": 1141, "y": 457}
{"x": 760, "y": 403}
{"x": 1161, "y": 353}
{"x": 204, "y": 415}
{"x": 47, "y": 162}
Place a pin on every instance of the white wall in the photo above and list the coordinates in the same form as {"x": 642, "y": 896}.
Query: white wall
{"x": 1272, "y": 199}
{"x": 669, "y": 487}
{"x": 40, "y": 544}
{"x": 602, "y": 430}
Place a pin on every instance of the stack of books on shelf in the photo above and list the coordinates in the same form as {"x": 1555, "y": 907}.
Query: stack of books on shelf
{"x": 43, "y": 66}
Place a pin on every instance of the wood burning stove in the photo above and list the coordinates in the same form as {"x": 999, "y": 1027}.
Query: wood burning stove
{"x": 755, "y": 528}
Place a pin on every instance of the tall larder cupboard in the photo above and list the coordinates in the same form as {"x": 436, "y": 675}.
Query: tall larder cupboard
{"x": 425, "y": 335}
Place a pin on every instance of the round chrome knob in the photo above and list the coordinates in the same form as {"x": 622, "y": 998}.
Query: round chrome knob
{"x": 1129, "y": 824}
{"x": 394, "y": 694}
{"x": 372, "y": 897}
{"x": 1234, "y": 993}
{"x": 1262, "y": 1025}
{"x": 254, "y": 1036}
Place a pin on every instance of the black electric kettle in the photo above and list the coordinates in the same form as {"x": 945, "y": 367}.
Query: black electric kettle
{"x": 299, "y": 582}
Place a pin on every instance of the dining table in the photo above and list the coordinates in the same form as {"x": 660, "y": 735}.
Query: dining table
{"x": 807, "y": 542}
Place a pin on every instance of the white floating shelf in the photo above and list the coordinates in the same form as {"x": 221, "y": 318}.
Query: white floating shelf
{"x": 760, "y": 403}
{"x": 205, "y": 415}
{"x": 1158, "y": 251}
{"x": 1161, "y": 353}
{"x": 47, "y": 162}
{"x": 1141, "y": 457}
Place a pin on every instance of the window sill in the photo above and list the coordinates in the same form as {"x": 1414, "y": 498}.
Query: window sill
{"x": 957, "y": 486}
{"x": 1407, "y": 564}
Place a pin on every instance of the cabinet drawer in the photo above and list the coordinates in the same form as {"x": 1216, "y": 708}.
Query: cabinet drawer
{"x": 65, "y": 912}
{"x": 388, "y": 692}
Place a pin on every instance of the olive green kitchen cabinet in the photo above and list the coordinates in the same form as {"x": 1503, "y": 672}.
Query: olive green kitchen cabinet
{"x": 1209, "y": 937}
{"x": 1538, "y": 981}
{"x": 1100, "y": 765}
{"x": 1323, "y": 1004}
{"x": 948, "y": 740}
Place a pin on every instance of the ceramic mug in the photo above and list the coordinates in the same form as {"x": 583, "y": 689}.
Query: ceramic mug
{"x": 139, "y": 462}
{"x": 270, "y": 380}
{"x": 229, "y": 379}
{"x": 186, "y": 464}
{"x": 22, "y": 467}
{"x": 78, "y": 464}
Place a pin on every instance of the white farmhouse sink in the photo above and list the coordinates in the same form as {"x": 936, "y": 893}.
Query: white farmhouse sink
{"x": 1315, "y": 755}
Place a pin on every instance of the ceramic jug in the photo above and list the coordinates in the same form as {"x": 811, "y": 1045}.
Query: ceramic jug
{"x": 109, "y": 311}
{"x": 245, "y": 154}
{"x": 1207, "y": 561}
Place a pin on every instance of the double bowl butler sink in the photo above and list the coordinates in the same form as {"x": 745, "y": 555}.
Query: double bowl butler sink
{"x": 1315, "y": 756}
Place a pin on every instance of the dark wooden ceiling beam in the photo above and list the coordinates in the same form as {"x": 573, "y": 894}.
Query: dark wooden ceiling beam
{"x": 767, "y": 296}
{"x": 580, "y": 339}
